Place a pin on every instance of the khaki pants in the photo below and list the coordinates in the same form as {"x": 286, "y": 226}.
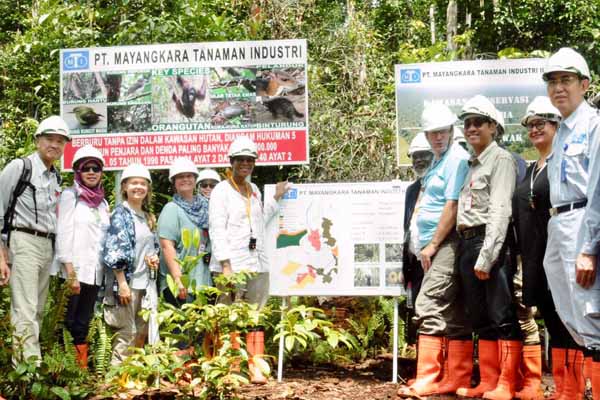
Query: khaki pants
{"x": 439, "y": 310}
{"x": 131, "y": 329}
{"x": 255, "y": 291}
{"x": 31, "y": 257}
{"x": 529, "y": 328}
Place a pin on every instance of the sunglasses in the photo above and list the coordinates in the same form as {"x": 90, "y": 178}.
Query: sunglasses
{"x": 206, "y": 185}
{"x": 538, "y": 124}
{"x": 477, "y": 122}
{"x": 90, "y": 168}
{"x": 245, "y": 159}
{"x": 563, "y": 81}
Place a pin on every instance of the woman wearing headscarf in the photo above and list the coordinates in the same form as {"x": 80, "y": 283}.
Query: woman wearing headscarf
{"x": 130, "y": 254}
{"x": 81, "y": 227}
{"x": 187, "y": 212}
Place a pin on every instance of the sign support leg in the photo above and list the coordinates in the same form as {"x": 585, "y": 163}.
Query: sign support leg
{"x": 281, "y": 343}
{"x": 395, "y": 344}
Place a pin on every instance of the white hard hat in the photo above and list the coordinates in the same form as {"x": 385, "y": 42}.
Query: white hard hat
{"x": 479, "y": 105}
{"x": 53, "y": 125}
{"x": 136, "y": 171}
{"x": 437, "y": 116}
{"x": 243, "y": 146}
{"x": 541, "y": 106}
{"x": 208, "y": 174}
{"x": 567, "y": 60}
{"x": 419, "y": 143}
{"x": 180, "y": 166}
{"x": 87, "y": 151}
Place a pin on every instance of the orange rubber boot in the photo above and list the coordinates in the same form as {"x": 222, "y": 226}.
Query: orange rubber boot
{"x": 596, "y": 379}
{"x": 532, "y": 371}
{"x": 489, "y": 370}
{"x": 573, "y": 389}
{"x": 255, "y": 342}
{"x": 458, "y": 368}
{"x": 510, "y": 359}
{"x": 559, "y": 361}
{"x": 82, "y": 355}
{"x": 429, "y": 367}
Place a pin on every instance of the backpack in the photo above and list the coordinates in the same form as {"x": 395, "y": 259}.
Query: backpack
{"x": 23, "y": 183}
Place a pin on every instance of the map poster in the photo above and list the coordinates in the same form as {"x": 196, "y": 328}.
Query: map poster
{"x": 337, "y": 239}
{"x": 150, "y": 104}
{"x": 509, "y": 84}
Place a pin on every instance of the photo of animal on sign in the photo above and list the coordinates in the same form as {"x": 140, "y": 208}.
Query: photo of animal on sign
{"x": 180, "y": 98}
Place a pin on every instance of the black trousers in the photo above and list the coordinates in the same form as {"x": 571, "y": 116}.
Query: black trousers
{"x": 80, "y": 310}
{"x": 489, "y": 303}
{"x": 559, "y": 335}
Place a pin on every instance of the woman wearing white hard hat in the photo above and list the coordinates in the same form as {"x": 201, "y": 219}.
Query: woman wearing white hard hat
{"x": 531, "y": 205}
{"x": 130, "y": 252}
{"x": 484, "y": 213}
{"x": 237, "y": 221}
{"x": 571, "y": 258}
{"x": 83, "y": 216}
{"x": 186, "y": 214}
{"x": 207, "y": 180}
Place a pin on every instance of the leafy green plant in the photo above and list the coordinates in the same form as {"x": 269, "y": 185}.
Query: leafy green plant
{"x": 100, "y": 344}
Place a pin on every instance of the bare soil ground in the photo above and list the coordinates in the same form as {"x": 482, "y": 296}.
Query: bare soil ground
{"x": 367, "y": 381}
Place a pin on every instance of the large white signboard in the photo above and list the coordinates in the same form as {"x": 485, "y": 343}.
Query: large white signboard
{"x": 510, "y": 84}
{"x": 338, "y": 239}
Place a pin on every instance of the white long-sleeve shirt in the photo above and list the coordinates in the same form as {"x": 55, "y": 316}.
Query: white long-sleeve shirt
{"x": 230, "y": 229}
{"x": 79, "y": 236}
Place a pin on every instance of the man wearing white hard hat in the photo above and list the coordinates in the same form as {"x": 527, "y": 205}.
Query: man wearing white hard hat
{"x": 83, "y": 216}
{"x": 571, "y": 260}
{"x": 29, "y": 227}
{"x": 420, "y": 154}
{"x": 484, "y": 213}
{"x": 443, "y": 327}
{"x": 237, "y": 221}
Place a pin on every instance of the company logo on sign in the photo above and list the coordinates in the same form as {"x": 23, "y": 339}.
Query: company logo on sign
{"x": 410, "y": 75}
{"x": 291, "y": 194}
{"x": 74, "y": 60}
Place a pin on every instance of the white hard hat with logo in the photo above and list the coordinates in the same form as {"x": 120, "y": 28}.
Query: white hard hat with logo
{"x": 208, "y": 174}
{"x": 180, "y": 166}
{"x": 481, "y": 105}
{"x": 437, "y": 116}
{"x": 542, "y": 107}
{"x": 87, "y": 151}
{"x": 419, "y": 143}
{"x": 53, "y": 125}
{"x": 243, "y": 146}
{"x": 567, "y": 60}
{"x": 136, "y": 171}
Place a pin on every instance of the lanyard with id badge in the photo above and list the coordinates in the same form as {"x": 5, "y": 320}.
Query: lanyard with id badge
{"x": 252, "y": 241}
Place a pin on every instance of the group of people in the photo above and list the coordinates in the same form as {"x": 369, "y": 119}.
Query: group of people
{"x": 488, "y": 238}
{"x": 481, "y": 228}
{"x": 125, "y": 255}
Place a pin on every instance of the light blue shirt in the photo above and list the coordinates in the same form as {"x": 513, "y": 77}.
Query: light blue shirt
{"x": 442, "y": 182}
{"x": 574, "y": 171}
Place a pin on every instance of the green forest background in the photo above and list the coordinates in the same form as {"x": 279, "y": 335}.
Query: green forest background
{"x": 353, "y": 46}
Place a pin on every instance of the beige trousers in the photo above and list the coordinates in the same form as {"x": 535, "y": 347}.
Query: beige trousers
{"x": 130, "y": 328}
{"x": 31, "y": 257}
{"x": 529, "y": 328}
{"x": 255, "y": 291}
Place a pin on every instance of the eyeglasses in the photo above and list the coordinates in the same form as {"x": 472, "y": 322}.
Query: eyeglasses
{"x": 90, "y": 168}
{"x": 477, "y": 122}
{"x": 563, "y": 81}
{"x": 538, "y": 124}
{"x": 244, "y": 159}
{"x": 205, "y": 185}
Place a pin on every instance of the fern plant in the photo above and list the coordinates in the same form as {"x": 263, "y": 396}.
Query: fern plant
{"x": 100, "y": 341}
